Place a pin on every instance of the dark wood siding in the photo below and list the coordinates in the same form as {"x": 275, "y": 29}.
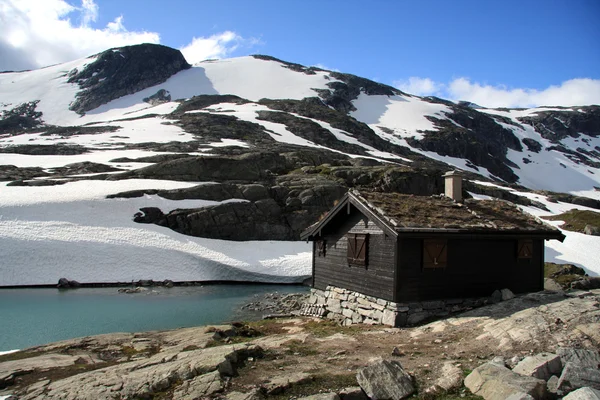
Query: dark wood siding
{"x": 377, "y": 278}
{"x": 475, "y": 267}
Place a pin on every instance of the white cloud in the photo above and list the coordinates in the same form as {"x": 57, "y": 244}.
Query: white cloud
{"x": 419, "y": 86}
{"x": 37, "y": 33}
{"x": 220, "y": 45}
{"x": 579, "y": 91}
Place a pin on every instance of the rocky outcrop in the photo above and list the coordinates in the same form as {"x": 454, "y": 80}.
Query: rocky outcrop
{"x": 45, "y": 149}
{"x": 495, "y": 382}
{"x": 13, "y": 173}
{"x": 556, "y": 125}
{"x": 121, "y": 71}
{"x": 20, "y": 119}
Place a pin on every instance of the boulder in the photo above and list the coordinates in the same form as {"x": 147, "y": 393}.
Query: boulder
{"x": 496, "y": 297}
{"x": 583, "y": 357}
{"x": 385, "y": 380}
{"x": 450, "y": 377}
{"x": 585, "y": 393}
{"x": 550, "y": 284}
{"x": 591, "y": 230}
{"x": 507, "y": 294}
{"x": 64, "y": 283}
{"x": 494, "y": 382}
{"x": 541, "y": 366}
{"x": 575, "y": 376}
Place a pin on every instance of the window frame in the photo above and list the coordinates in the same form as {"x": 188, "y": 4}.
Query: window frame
{"x": 524, "y": 249}
{"x": 435, "y": 254}
{"x": 321, "y": 247}
{"x": 357, "y": 253}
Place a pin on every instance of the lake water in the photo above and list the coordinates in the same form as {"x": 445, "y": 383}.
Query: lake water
{"x": 30, "y": 317}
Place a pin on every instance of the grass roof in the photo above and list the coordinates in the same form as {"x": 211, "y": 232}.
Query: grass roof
{"x": 404, "y": 212}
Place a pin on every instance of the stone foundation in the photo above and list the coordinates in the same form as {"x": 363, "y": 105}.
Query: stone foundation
{"x": 349, "y": 308}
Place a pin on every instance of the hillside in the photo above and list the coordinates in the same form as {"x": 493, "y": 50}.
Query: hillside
{"x": 133, "y": 164}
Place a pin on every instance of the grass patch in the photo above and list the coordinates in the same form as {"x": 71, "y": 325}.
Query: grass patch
{"x": 324, "y": 328}
{"x": 576, "y": 220}
{"x": 296, "y": 347}
{"x": 267, "y": 327}
{"x": 319, "y": 384}
{"x": 563, "y": 274}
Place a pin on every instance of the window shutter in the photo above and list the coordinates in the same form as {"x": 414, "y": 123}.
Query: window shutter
{"x": 321, "y": 247}
{"x": 357, "y": 249}
{"x": 525, "y": 248}
{"x": 435, "y": 253}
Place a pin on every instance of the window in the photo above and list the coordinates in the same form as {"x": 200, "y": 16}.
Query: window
{"x": 525, "y": 249}
{"x": 435, "y": 253}
{"x": 321, "y": 248}
{"x": 357, "y": 249}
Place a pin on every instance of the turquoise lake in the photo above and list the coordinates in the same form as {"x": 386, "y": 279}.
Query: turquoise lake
{"x": 30, "y": 317}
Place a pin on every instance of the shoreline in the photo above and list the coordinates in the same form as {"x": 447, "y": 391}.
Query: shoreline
{"x": 150, "y": 283}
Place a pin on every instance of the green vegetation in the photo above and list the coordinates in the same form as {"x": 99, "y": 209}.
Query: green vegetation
{"x": 563, "y": 274}
{"x": 297, "y": 347}
{"x": 324, "y": 328}
{"x": 576, "y": 220}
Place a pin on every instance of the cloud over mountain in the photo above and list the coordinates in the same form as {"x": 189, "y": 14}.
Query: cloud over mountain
{"x": 579, "y": 91}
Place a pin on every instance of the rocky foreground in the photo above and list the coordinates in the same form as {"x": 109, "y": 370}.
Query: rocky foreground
{"x": 540, "y": 345}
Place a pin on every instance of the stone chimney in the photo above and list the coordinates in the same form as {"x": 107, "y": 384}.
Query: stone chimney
{"x": 453, "y": 181}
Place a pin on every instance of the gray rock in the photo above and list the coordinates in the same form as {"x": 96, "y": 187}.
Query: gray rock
{"x": 499, "y": 360}
{"x": 519, "y": 396}
{"x": 591, "y": 230}
{"x": 281, "y": 382}
{"x": 321, "y": 396}
{"x": 199, "y": 387}
{"x": 541, "y": 366}
{"x": 507, "y": 294}
{"x": 385, "y": 380}
{"x": 451, "y": 376}
{"x": 550, "y": 284}
{"x": 496, "y": 297}
{"x": 494, "y": 382}
{"x": 583, "y": 357}
{"x": 352, "y": 393}
{"x": 585, "y": 393}
{"x": 575, "y": 376}
{"x": 552, "y": 384}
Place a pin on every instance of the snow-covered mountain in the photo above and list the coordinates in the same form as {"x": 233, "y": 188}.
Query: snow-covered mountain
{"x": 221, "y": 155}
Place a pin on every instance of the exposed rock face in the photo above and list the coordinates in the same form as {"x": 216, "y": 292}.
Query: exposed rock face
{"x": 494, "y": 382}
{"x": 161, "y": 96}
{"x": 13, "y": 173}
{"x": 125, "y": 70}
{"x": 45, "y": 150}
{"x": 385, "y": 380}
{"x": 474, "y": 136}
{"x": 572, "y": 122}
{"x": 576, "y": 376}
{"x": 584, "y": 393}
{"x": 20, "y": 118}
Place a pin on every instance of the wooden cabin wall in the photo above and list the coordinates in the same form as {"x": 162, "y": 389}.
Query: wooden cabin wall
{"x": 377, "y": 279}
{"x": 476, "y": 267}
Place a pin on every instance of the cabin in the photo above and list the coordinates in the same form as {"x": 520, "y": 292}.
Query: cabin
{"x": 384, "y": 257}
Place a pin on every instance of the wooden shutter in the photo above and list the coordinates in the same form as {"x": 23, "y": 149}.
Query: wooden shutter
{"x": 525, "y": 249}
{"x": 357, "y": 249}
{"x": 435, "y": 253}
{"x": 321, "y": 248}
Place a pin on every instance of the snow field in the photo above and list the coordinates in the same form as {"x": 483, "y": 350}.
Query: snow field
{"x": 73, "y": 231}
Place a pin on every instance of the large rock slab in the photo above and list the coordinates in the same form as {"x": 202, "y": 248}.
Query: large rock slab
{"x": 385, "y": 380}
{"x": 585, "y": 393}
{"x": 495, "y": 382}
{"x": 575, "y": 376}
{"x": 541, "y": 366}
{"x": 582, "y": 357}
{"x": 144, "y": 378}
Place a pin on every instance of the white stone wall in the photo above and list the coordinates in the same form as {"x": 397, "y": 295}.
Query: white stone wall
{"x": 350, "y": 307}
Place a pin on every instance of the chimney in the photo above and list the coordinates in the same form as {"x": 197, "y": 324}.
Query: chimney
{"x": 453, "y": 181}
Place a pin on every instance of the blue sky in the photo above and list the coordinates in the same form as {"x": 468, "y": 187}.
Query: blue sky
{"x": 511, "y": 52}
